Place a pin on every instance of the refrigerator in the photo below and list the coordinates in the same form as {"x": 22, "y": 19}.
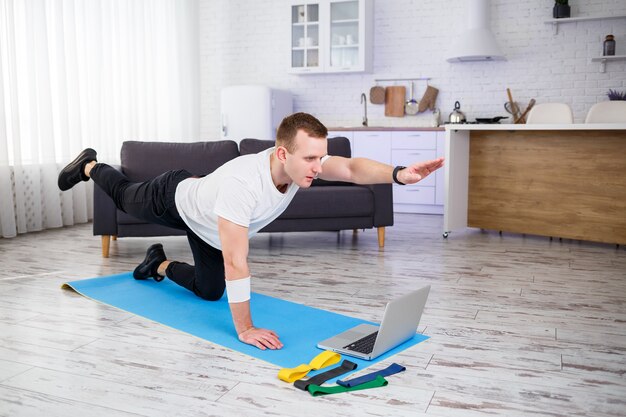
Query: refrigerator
{"x": 253, "y": 111}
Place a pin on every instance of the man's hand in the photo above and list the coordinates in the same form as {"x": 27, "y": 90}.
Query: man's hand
{"x": 419, "y": 171}
{"x": 261, "y": 338}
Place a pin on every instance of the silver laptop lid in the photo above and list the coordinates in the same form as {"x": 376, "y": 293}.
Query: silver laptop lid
{"x": 400, "y": 320}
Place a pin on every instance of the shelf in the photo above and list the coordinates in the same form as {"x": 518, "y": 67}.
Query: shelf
{"x": 555, "y": 22}
{"x": 603, "y": 59}
{"x": 344, "y": 21}
{"x": 403, "y": 79}
{"x": 354, "y": 45}
{"x": 314, "y": 23}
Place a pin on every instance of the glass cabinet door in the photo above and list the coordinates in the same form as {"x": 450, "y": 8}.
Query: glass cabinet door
{"x": 305, "y": 36}
{"x": 331, "y": 36}
{"x": 344, "y": 33}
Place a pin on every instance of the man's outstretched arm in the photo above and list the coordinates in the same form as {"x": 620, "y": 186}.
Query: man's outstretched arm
{"x": 234, "y": 240}
{"x": 367, "y": 171}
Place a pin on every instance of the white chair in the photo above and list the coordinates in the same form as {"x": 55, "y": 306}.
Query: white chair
{"x": 607, "y": 112}
{"x": 550, "y": 113}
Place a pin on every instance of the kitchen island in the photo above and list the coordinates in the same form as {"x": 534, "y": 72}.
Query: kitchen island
{"x": 566, "y": 181}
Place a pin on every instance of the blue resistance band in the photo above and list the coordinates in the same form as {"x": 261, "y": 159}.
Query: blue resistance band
{"x": 394, "y": 368}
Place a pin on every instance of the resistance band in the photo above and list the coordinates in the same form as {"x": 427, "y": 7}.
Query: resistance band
{"x": 394, "y": 368}
{"x": 316, "y": 390}
{"x": 319, "y": 379}
{"x": 322, "y": 360}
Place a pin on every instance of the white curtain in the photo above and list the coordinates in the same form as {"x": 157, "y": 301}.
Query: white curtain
{"x": 87, "y": 73}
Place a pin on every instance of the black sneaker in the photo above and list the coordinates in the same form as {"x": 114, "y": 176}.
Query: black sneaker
{"x": 148, "y": 268}
{"x": 74, "y": 172}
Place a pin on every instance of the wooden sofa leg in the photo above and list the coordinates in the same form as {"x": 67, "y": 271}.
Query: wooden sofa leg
{"x": 381, "y": 237}
{"x": 114, "y": 237}
{"x": 106, "y": 240}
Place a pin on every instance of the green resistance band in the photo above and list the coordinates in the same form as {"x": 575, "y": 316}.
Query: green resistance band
{"x": 316, "y": 390}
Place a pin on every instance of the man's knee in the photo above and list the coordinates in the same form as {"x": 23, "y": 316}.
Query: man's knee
{"x": 210, "y": 294}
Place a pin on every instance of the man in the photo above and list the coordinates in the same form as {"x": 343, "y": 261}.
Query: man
{"x": 222, "y": 210}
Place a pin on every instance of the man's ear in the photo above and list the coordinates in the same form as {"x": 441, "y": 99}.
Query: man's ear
{"x": 281, "y": 154}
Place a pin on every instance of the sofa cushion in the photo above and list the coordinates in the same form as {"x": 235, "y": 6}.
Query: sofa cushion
{"x": 328, "y": 202}
{"x": 199, "y": 158}
{"x": 338, "y": 146}
{"x": 248, "y": 145}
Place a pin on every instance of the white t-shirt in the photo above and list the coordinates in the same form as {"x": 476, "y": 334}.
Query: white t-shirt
{"x": 241, "y": 191}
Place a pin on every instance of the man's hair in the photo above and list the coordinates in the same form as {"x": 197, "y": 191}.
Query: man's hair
{"x": 288, "y": 129}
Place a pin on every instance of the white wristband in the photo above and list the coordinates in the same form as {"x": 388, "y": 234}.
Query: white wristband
{"x": 238, "y": 290}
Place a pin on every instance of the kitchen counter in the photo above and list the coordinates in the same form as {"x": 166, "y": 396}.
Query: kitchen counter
{"x": 513, "y": 127}
{"x": 550, "y": 180}
{"x": 385, "y": 129}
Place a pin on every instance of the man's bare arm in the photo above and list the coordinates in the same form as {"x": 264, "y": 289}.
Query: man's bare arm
{"x": 368, "y": 171}
{"x": 234, "y": 240}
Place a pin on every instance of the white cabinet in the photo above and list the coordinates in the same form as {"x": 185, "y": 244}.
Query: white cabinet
{"x": 408, "y": 148}
{"x": 372, "y": 145}
{"x": 331, "y": 36}
{"x": 404, "y": 148}
{"x": 440, "y": 191}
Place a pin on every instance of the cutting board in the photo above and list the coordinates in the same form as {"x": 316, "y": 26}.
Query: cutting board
{"x": 394, "y": 101}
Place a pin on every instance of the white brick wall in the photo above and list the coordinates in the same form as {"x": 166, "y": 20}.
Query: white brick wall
{"x": 247, "y": 42}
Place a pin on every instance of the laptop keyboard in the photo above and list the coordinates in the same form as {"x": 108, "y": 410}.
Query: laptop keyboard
{"x": 363, "y": 345}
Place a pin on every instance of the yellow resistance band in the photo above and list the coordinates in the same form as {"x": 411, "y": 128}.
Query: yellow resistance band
{"x": 322, "y": 360}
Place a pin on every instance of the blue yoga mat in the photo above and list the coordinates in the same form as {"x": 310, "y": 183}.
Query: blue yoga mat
{"x": 299, "y": 327}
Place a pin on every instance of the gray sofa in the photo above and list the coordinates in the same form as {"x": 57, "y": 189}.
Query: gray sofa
{"x": 325, "y": 206}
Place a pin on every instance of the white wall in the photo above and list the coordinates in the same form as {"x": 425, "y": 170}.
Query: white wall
{"x": 247, "y": 42}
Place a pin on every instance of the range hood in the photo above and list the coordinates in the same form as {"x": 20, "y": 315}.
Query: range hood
{"x": 476, "y": 43}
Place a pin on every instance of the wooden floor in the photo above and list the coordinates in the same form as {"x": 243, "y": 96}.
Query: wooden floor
{"x": 519, "y": 326}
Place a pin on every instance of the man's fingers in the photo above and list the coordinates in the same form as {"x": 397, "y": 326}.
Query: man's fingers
{"x": 263, "y": 339}
{"x": 268, "y": 343}
{"x": 273, "y": 335}
{"x": 425, "y": 168}
{"x": 268, "y": 333}
{"x": 271, "y": 341}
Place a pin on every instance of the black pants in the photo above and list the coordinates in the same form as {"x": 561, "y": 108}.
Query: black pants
{"x": 153, "y": 201}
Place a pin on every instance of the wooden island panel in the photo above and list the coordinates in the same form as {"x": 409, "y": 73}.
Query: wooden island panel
{"x": 569, "y": 184}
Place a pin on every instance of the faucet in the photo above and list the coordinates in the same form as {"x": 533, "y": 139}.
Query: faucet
{"x": 364, "y": 102}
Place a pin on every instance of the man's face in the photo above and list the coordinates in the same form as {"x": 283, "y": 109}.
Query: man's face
{"x": 304, "y": 164}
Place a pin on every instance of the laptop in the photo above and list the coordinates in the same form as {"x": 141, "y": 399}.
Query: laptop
{"x": 399, "y": 324}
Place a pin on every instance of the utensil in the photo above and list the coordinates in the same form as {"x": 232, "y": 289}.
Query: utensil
{"x": 513, "y": 107}
{"x": 377, "y": 95}
{"x": 411, "y": 106}
{"x": 394, "y": 101}
{"x": 457, "y": 116}
{"x": 491, "y": 120}
{"x": 510, "y": 108}
{"x": 522, "y": 118}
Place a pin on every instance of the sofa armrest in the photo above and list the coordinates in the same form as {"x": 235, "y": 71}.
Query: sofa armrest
{"x": 383, "y": 204}
{"x": 104, "y": 212}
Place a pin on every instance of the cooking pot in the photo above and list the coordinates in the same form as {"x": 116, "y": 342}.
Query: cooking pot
{"x": 457, "y": 115}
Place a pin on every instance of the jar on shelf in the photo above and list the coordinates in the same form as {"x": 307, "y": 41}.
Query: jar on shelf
{"x": 609, "y": 46}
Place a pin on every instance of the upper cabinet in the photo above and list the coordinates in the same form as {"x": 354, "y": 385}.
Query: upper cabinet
{"x": 331, "y": 36}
